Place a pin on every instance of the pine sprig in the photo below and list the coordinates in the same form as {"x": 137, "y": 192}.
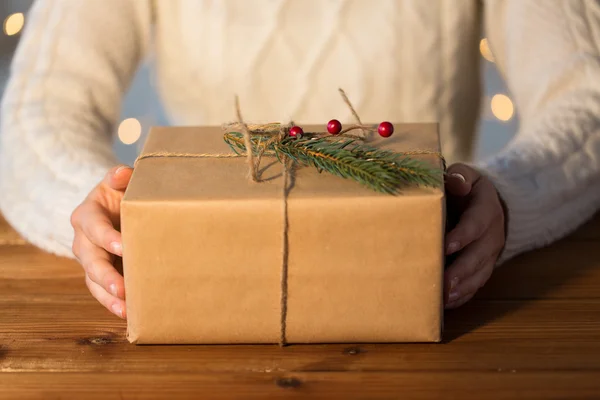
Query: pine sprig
{"x": 381, "y": 170}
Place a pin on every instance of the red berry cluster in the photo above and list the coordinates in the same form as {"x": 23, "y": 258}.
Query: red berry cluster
{"x": 334, "y": 127}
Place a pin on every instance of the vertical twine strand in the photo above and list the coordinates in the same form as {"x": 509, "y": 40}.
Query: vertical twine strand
{"x": 247, "y": 141}
{"x": 287, "y": 171}
{"x": 284, "y": 254}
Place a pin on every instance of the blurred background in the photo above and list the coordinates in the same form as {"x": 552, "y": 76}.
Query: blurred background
{"x": 142, "y": 109}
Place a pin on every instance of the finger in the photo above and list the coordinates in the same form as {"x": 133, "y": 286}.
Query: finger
{"x": 476, "y": 220}
{"x": 114, "y": 305}
{"x": 459, "y": 302}
{"x": 98, "y": 266}
{"x": 118, "y": 178}
{"x": 468, "y": 264}
{"x": 467, "y": 289}
{"x": 98, "y": 228}
{"x": 76, "y": 247}
{"x": 460, "y": 178}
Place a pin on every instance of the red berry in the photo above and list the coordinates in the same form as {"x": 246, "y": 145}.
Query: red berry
{"x": 385, "y": 129}
{"x": 296, "y": 131}
{"x": 334, "y": 127}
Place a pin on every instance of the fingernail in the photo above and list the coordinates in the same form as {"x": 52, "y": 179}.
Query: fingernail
{"x": 113, "y": 290}
{"x": 122, "y": 167}
{"x": 459, "y": 176}
{"x": 117, "y": 310}
{"x": 453, "y": 283}
{"x": 116, "y": 248}
{"x": 453, "y": 247}
{"x": 452, "y": 296}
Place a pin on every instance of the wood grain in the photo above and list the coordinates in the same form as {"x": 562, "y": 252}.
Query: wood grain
{"x": 319, "y": 385}
{"x": 8, "y": 237}
{"x": 532, "y": 333}
{"x": 509, "y": 342}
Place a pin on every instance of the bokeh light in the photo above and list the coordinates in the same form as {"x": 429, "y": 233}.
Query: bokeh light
{"x": 502, "y": 107}
{"x": 14, "y": 23}
{"x": 484, "y": 48}
{"x": 130, "y": 131}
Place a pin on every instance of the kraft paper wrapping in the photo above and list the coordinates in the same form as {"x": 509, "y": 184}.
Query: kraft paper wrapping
{"x": 203, "y": 249}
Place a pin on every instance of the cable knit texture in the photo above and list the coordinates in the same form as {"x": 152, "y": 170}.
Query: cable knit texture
{"x": 400, "y": 60}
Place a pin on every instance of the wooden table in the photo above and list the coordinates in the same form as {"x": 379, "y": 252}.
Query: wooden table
{"x": 533, "y": 332}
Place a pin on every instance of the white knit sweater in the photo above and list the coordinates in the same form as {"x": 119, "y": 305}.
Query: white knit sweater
{"x": 401, "y": 60}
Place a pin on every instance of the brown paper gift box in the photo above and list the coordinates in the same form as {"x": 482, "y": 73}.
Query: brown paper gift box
{"x": 202, "y": 249}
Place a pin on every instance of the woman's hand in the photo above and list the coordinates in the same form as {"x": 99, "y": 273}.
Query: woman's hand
{"x": 476, "y": 237}
{"x": 97, "y": 243}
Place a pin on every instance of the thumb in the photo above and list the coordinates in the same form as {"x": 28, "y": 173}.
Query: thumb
{"x": 118, "y": 177}
{"x": 460, "y": 179}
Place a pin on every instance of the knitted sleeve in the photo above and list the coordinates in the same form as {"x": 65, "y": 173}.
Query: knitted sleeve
{"x": 74, "y": 61}
{"x": 549, "y": 175}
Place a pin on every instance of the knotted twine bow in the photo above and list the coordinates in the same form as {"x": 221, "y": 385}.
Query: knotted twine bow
{"x": 277, "y": 133}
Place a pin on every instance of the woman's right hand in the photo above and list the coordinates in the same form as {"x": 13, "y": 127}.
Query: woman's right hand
{"x": 97, "y": 243}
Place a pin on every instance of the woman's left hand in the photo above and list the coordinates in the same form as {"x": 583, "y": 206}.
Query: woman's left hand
{"x": 477, "y": 235}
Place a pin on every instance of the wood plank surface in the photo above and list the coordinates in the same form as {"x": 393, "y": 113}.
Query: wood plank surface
{"x": 322, "y": 385}
{"x": 8, "y": 237}
{"x": 532, "y": 332}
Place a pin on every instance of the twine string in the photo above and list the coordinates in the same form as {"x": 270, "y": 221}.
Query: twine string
{"x": 366, "y": 131}
{"x": 350, "y": 106}
{"x": 170, "y": 154}
{"x": 252, "y": 167}
{"x": 287, "y": 170}
{"x": 160, "y": 154}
